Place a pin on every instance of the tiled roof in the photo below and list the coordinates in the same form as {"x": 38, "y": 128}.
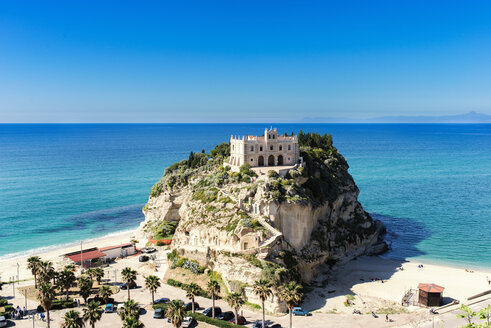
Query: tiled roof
{"x": 86, "y": 256}
{"x": 431, "y": 288}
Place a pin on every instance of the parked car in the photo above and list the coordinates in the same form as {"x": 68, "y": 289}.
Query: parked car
{"x": 300, "y": 311}
{"x": 187, "y": 322}
{"x": 241, "y": 321}
{"x": 164, "y": 300}
{"x": 276, "y": 325}
{"x": 143, "y": 258}
{"x": 109, "y": 308}
{"x": 209, "y": 313}
{"x": 3, "y": 322}
{"x": 120, "y": 307}
{"x": 158, "y": 314}
{"x": 189, "y": 306}
{"x": 148, "y": 250}
{"x": 259, "y": 324}
{"x": 132, "y": 285}
{"x": 227, "y": 315}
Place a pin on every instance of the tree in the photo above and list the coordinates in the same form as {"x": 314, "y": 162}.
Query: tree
{"x": 485, "y": 314}
{"x": 129, "y": 277}
{"x": 33, "y": 265}
{"x": 292, "y": 294}
{"x": 192, "y": 290}
{"x": 152, "y": 283}
{"x": 236, "y": 300}
{"x": 72, "y": 319}
{"x": 214, "y": 289}
{"x": 132, "y": 322}
{"x": 46, "y": 295}
{"x": 105, "y": 292}
{"x": 46, "y": 271}
{"x": 98, "y": 275}
{"x": 66, "y": 278}
{"x": 85, "y": 286}
{"x": 175, "y": 312}
{"x": 262, "y": 289}
{"x": 131, "y": 309}
{"x": 92, "y": 313}
{"x": 467, "y": 314}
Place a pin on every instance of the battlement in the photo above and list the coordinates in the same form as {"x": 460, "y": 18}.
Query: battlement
{"x": 270, "y": 149}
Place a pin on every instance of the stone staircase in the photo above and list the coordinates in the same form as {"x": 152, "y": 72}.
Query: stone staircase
{"x": 275, "y": 233}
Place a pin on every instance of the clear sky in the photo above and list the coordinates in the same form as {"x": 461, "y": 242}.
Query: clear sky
{"x": 234, "y": 61}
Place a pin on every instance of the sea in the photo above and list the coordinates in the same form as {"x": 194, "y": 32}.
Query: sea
{"x": 429, "y": 183}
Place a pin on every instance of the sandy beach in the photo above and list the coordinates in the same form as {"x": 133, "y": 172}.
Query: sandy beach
{"x": 361, "y": 277}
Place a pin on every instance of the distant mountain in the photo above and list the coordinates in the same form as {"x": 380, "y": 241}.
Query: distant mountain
{"x": 471, "y": 117}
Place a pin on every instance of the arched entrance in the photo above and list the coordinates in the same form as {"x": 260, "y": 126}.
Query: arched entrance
{"x": 271, "y": 160}
{"x": 260, "y": 161}
{"x": 280, "y": 160}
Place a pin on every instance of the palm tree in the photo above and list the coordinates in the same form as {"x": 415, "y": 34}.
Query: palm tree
{"x": 105, "y": 292}
{"x": 92, "y": 313}
{"x": 152, "y": 283}
{"x": 192, "y": 290}
{"x": 132, "y": 322}
{"x": 66, "y": 278}
{"x": 131, "y": 309}
{"x": 292, "y": 294}
{"x": 46, "y": 295}
{"x": 262, "y": 289}
{"x": 85, "y": 286}
{"x": 33, "y": 265}
{"x": 98, "y": 275}
{"x": 175, "y": 312}
{"x": 72, "y": 319}
{"x": 129, "y": 277}
{"x": 236, "y": 300}
{"x": 214, "y": 289}
{"x": 46, "y": 271}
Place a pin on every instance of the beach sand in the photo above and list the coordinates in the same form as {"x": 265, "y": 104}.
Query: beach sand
{"x": 356, "y": 278}
{"x": 8, "y": 267}
{"x": 325, "y": 300}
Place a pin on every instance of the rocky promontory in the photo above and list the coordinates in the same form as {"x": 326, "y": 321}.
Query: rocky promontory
{"x": 246, "y": 225}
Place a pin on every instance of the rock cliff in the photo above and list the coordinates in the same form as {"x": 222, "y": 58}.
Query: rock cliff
{"x": 248, "y": 227}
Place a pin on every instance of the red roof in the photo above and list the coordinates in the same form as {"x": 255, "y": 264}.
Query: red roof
{"x": 431, "y": 288}
{"x": 86, "y": 256}
{"x": 117, "y": 246}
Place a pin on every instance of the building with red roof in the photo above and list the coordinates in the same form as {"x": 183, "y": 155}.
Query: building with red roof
{"x": 430, "y": 294}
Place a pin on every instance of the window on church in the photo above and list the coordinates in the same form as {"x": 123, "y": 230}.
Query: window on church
{"x": 274, "y": 136}
{"x": 281, "y": 148}
{"x": 261, "y": 148}
{"x": 252, "y": 148}
{"x": 289, "y": 147}
{"x": 251, "y": 159}
{"x": 271, "y": 148}
{"x": 269, "y": 136}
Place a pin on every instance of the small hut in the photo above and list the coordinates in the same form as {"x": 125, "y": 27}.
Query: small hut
{"x": 430, "y": 294}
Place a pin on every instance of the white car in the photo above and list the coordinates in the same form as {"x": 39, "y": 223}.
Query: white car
{"x": 187, "y": 322}
{"x": 3, "y": 322}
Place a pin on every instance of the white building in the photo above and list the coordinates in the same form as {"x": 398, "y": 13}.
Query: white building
{"x": 113, "y": 252}
{"x": 268, "y": 150}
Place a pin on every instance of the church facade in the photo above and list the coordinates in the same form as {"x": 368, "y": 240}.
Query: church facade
{"x": 268, "y": 150}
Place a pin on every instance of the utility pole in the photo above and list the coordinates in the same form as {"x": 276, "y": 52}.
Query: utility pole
{"x": 18, "y": 271}
{"x": 13, "y": 286}
{"x": 25, "y": 296}
{"x": 81, "y": 258}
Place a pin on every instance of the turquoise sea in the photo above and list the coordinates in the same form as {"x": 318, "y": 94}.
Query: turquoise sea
{"x": 430, "y": 183}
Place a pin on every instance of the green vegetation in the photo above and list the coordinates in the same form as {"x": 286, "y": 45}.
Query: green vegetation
{"x": 184, "y": 286}
{"x": 262, "y": 289}
{"x": 215, "y": 322}
{"x": 165, "y": 230}
{"x": 292, "y": 294}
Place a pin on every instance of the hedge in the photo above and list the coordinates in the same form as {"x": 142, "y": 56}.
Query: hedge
{"x": 211, "y": 321}
{"x": 182, "y": 285}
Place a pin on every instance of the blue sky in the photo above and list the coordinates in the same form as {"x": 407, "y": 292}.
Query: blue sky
{"x": 241, "y": 61}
